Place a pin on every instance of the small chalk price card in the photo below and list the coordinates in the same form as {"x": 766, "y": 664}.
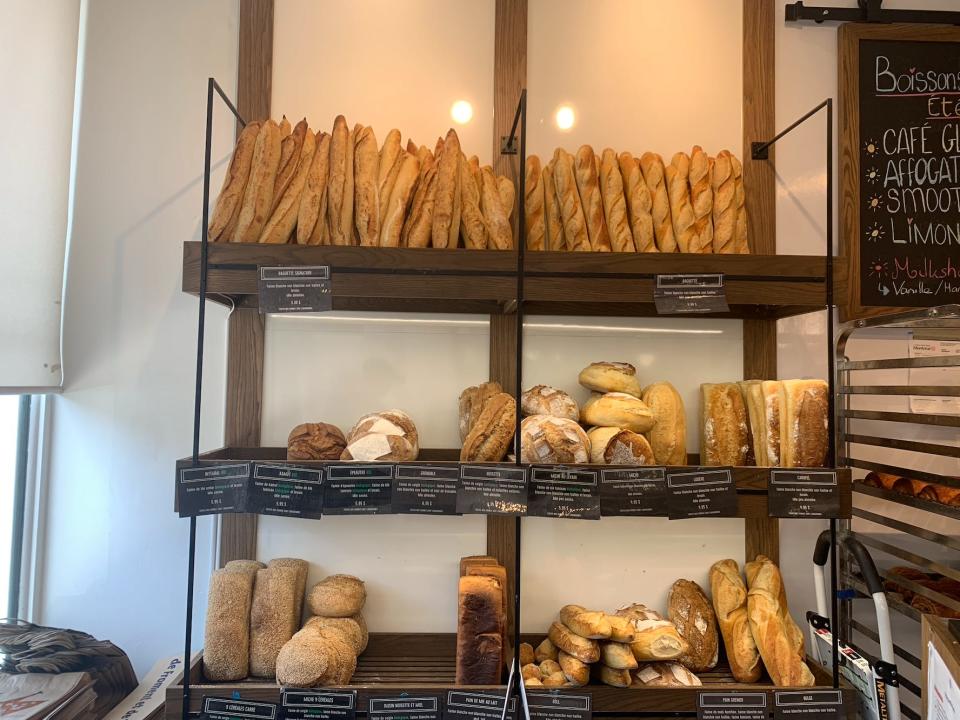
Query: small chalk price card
{"x": 492, "y": 490}
{"x": 635, "y": 491}
{"x": 732, "y": 706}
{"x": 425, "y": 489}
{"x": 808, "y": 705}
{"x": 707, "y": 492}
{"x": 229, "y": 709}
{"x": 212, "y": 489}
{"x": 358, "y": 489}
{"x": 295, "y": 289}
{"x": 690, "y": 294}
{"x": 797, "y": 493}
{"x": 564, "y": 492}
{"x": 405, "y": 707}
{"x": 318, "y": 704}
{"x": 559, "y": 706}
{"x": 286, "y": 491}
{"x": 478, "y": 706}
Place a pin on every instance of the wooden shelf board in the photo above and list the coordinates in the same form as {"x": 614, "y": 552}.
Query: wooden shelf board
{"x": 462, "y": 281}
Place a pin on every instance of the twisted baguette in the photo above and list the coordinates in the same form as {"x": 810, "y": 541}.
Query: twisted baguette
{"x": 677, "y": 174}
{"x": 651, "y": 165}
{"x": 639, "y": 203}
{"x": 614, "y": 204}
{"x": 724, "y": 208}
{"x": 701, "y": 199}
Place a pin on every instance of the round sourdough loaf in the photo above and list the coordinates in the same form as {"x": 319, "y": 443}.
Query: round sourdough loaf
{"x": 617, "y": 409}
{"x": 615, "y": 446}
{"x": 607, "y": 377}
{"x": 545, "y": 439}
{"x": 337, "y": 596}
{"x": 315, "y": 441}
{"x": 546, "y": 400}
{"x": 306, "y": 660}
{"x": 389, "y": 435}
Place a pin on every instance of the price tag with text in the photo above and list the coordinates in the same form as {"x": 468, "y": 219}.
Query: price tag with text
{"x": 405, "y": 707}
{"x": 690, "y": 294}
{"x": 358, "y": 489}
{"x": 559, "y": 706}
{"x": 425, "y": 489}
{"x": 492, "y": 490}
{"x": 294, "y": 289}
{"x": 212, "y": 489}
{"x": 707, "y": 492}
{"x": 808, "y": 705}
{"x": 799, "y": 493}
{"x": 633, "y": 491}
{"x": 478, "y": 706}
{"x": 564, "y": 492}
{"x": 229, "y": 709}
{"x": 731, "y": 706}
{"x": 285, "y": 490}
{"x": 318, "y": 704}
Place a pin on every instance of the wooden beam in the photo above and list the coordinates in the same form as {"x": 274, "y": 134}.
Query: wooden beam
{"x": 255, "y": 59}
{"x": 509, "y": 78}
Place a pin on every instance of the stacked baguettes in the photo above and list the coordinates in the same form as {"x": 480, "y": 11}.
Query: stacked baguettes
{"x": 296, "y": 186}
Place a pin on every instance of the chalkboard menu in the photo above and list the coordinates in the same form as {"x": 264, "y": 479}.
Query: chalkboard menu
{"x": 900, "y": 166}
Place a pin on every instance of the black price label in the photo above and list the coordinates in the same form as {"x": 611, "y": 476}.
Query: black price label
{"x": 285, "y": 490}
{"x": 633, "y": 491}
{"x": 732, "y": 706}
{"x": 295, "y": 289}
{"x": 557, "y": 706}
{"x": 357, "y": 489}
{"x": 708, "y": 492}
{"x": 318, "y": 704}
{"x": 562, "y": 492}
{"x": 425, "y": 489}
{"x": 212, "y": 489}
{"x": 492, "y": 490}
{"x": 477, "y": 706}
{"x": 803, "y": 494}
{"x": 690, "y": 294}
{"x": 808, "y": 705}
{"x": 224, "y": 709}
{"x": 403, "y": 707}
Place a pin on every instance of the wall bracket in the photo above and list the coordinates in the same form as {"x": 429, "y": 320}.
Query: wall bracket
{"x": 870, "y": 11}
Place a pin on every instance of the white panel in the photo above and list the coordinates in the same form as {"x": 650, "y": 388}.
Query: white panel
{"x": 640, "y": 74}
{"x": 337, "y": 367}
{"x": 387, "y": 64}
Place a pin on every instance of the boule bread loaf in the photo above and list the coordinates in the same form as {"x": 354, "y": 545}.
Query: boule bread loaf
{"x": 654, "y": 175}
{"x": 553, "y": 440}
{"x": 258, "y": 193}
{"x": 492, "y": 433}
{"x": 665, "y": 674}
{"x": 657, "y": 638}
{"x": 226, "y": 646}
{"x": 553, "y": 219}
{"x": 584, "y": 650}
{"x": 546, "y": 400}
{"x": 315, "y": 441}
{"x": 804, "y": 423}
{"x": 568, "y": 200}
{"x": 690, "y": 610}
{"x": 606, "y": 377}
{"x": 226, "y": 212}
{"x": 681, "y": 211}
{"x": 615, "y": 208}
{"x": 617, "y": 409}
{"x": 701, "y": 198}
{"x": 550, "y": 666}
{"x": 351, "y": 629}
{"x": 472, "y": 401}
{"x": 306, "y": 660}
{"x": 724, "y": 439}
{"x": 724, "y": 207}
{"x": 386, "y": 435}
{"x": 617, "y": 446}
{"x": 337, "y": 596}
{"x": 575, "y": 671}
{"x": 730, "y": 603}
{"x": 588, "y": 185}
{"x": 273, "y": 617}
{"x": 668, "y": 436}
{"x": 639, "y": 203}
{"x": 534, "y": 222}
{"x": 590, "y": 624}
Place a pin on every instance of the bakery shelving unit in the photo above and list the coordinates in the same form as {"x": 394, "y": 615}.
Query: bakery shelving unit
{"x": 916, "y": 532}
{"x": 505, "y": 285}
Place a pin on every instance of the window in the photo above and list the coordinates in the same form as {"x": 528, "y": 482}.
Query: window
{"x": 14, "y": 424}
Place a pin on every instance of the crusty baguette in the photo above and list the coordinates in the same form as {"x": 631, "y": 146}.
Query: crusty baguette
{"x": 285, "y": 127}
{"x": 290, "y": 148}
{"x": 508, "y": 194}
{"x": 553, "y": 221}
{"x": 280, "y": 226}
{"x": 388, "y": 166}
{"x": 340, "y": 184}
{"x": 588, "y": 185}
{"x": 614, "y": 203}
{"x": 472, "y": 229}
{"x": 638, "y": 203}
{"x": 621, "y": 629}
{"x": 681, "y": 211}
{"x": 446, "y": 218}
{"x": 419, "y": 195}
{"x": 412, "y": 146}
{"x": 419, "y": 223}
{"x": 582, "y": 649}
{"x": 399, "y": 200}
{"x": 617, "y": 655}
{"x": 312, "y": 215}
{"x": 366, "y": 211}
{"x": 258, "y": 195}
{"x": 533, "y": 205}
{"x": 568, "y": 198}
{"x": 612, "y": 676}
{"x": 575, "y": 671}
{"x": 730, "y": 603}
{"x": 724, "y": 207}
{"x": 590, "y": 624}
{"x": 654, "y": 175}
{"x": 701, "y": 198}
{"x": 740, "y": 238}
{"x": 226, "y": 212}
{"x": 501, "y": 235}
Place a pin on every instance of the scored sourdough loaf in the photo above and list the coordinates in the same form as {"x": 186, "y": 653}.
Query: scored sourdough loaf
{"x": 654, "y": 175}
{"x": 730, "y": 602}
{"x": 546, "y": 400}
{"x": 615, "y": 446}
{"x": 668, "y": 436}
{"x": 273, "y": 617}
{"x": 665, "y": 674}
{"x": 223, "y": 220}
{"x": 590, "y": 624}
{"x": 724, "y": 439}
{"x": 804, "y": 423}
{"x": 617, "y": 409}
{"x": 690, "y": 610}
{"x": 584, "y": 650}
{"x": 657, "y": 638}
{"x": 472, "y": 400}
{"x": 258, "y": 193}
{"x": 588, "y": 185}
{"x": 607, "y": 376}
{"x": 315, "y": 441}
{"x": 553, "y": 440}
{"x": 337, "y": 596}
{"x": 388, "y": 435}
{"x": 639, "y": 203}
{"x": 534, "y": 215}
{"x": 226, "y": 646}
{"x": 480, "y": 626}
{"x": 490, "y": 436}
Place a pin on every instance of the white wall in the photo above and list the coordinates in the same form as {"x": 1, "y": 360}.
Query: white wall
{"x": 115, "y": 550}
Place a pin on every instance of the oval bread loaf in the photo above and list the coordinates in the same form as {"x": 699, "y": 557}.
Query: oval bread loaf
{"x": 337, "y": 596}
{"x": 668, "y": 437}
{"x": 546, "y": 400}
{"x": 347, "y": 626}
{"x": 545, "y": 651}
{"x": 490, "y": 436}
{"x": 549, "y": 667}
{"x": 576, "y": 671}
{"x": 617, "y": 409}
{"x": 613, "y": 676}
{"x": 604, "y": 377}
{"x": 691, "y": 612}
{"x": 657, "y": 638}
{"x": 581, "y": 648}
{"x": 617, "y": 655}
{"x": 585, "y": 623}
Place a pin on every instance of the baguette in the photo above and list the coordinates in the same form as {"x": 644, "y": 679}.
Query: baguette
{"x": 701, "y": 198}
{"x": 284, "y": 127}
{"x": 621, "y": 629}
{"x": 366, "y": 211}
{"x": 584, "y": 650}
{"x": 745, "y": 387}
{"x": 226, "y": 212}
{"x": 388, "y": 167}
{"x": 258, "y": 194}
{"x": 585, "y": 623}
{"x": 419, "y": 223}
{"x": 553, "y": 220}
{"x": 614, "y": 204}
{"x": 617, "y": 655}
{"x": 588, "y": 185}
{"x": 741, "y": 242}
{"x": 471, "y": 218}
{"x": 730, "y": 603}
{"x": 681, "y": 211}
{"x": 639, "y": 203}
{"x": 290, "y": 151}
{"x": 654, "y": 175}
{"x": 534, "y": 216}
{"x": 312, "y": 216}
{"x": 280, "y": 226}
{"x": 724, "y": 207}
{"x": 446, "y": 213}
{"x": 399, "y": 199}
{"x": 568, "y": 199}
{"x": 498, "y": 226}
{"x": 612, "y": 676}
{"x": 575, "y": 671}
{"x": 340, "y": 185}
{"x": 508, "y": 195}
